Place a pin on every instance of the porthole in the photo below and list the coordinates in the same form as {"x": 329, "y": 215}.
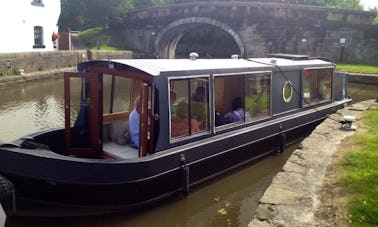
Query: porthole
{"x": 287, "y": 91}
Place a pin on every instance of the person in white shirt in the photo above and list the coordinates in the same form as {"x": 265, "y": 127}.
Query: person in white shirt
{"x": 134, "y": 123}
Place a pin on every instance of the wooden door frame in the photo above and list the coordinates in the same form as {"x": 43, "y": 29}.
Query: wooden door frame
{"x": 95, "y": 114}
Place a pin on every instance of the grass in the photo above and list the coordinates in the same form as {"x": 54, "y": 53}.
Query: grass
{"x": 369, "y": 69}
{"x": 97, "y": 38}
{"x": 105, "y": 47}
{"x": 360, "y": 175}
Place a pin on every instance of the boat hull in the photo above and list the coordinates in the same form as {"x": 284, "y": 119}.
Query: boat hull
{"x": 48, "y": 184}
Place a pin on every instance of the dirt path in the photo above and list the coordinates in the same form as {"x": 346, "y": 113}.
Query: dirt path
{"x": 333, "y": 197}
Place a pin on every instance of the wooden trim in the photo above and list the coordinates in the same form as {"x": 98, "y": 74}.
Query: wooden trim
{"x": 95, "y": 115}
{"x": 151, "y": 143}
{"x": 114, "y": 117}
{"x": 143, "y": 124}
{"x": 144, "y": 77}
{"x": 67, "y": 112}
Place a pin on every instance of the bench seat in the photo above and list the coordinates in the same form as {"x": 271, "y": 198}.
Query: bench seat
{"x": 120, "y": 151}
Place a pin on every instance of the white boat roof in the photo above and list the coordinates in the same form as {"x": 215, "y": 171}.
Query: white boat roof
{"x": 155, "y": 67}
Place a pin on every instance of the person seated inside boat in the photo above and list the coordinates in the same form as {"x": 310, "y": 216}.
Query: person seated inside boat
{"x": 199, "y": 94}
{"x": 119, "y": 132}
{"x": 220, "y": 119}
{"x": 180, "y": 126}
{"x": 237, "y": 114}
{"x": 134, "y": 124}
{"x": 198, "y": 106}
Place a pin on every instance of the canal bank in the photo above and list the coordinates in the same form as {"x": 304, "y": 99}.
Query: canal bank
{"x": 295, "y": 196}
{"x": 363, "y": 78}
{"x": 14, "y": 80}
{"x": 6, "y": 81}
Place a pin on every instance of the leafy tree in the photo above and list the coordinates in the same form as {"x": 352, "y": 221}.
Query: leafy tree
{"x": 346, "y": 4}
{"x": 375, "y": 9}
{"x": 83, "y": 14}
{"x": 72, "y": 15}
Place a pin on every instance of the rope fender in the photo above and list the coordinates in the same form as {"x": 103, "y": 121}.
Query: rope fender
{"x": 7, "y": 192}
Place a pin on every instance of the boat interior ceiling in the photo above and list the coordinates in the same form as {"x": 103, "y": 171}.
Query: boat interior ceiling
{"x": 183, "y": 101}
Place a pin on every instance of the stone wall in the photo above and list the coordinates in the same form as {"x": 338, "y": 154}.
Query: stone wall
{"x": 13, "y": 63}
{"x": 103, "y": 54}
{"x": 342, "y": 35}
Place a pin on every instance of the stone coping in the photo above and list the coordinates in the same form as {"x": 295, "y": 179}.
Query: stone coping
{"x": 294, "y": 195}
{"x": 363, "y": 78}
{"x": 6, "y": 81}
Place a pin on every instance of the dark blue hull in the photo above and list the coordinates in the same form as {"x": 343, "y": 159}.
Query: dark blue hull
{"x": 50, "y": 184}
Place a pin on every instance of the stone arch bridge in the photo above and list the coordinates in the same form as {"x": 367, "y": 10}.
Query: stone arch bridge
{"x": 259, "y": 29}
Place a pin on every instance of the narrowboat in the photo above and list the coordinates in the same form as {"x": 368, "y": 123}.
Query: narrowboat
{"x": 138, "y": 131}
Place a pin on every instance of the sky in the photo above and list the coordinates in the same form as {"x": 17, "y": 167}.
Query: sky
{"x": 369, "y": 3}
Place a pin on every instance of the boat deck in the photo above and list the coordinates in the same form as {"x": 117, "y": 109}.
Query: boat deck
{"x": 120, "y": 151}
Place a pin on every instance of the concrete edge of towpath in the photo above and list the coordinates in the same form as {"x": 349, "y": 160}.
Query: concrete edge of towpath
{"x": 8, "y": 81}
{"x": 294, "y": 194}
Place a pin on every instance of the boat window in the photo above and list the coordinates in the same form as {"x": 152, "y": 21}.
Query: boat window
{"x": 77, "y": 99}
{"x": 257, "y": 95}
{"x": 317, "y": 85}
{"x": 189, "y": 106}
{"x": 116, "y": 94}
{"x": 82, "y": 114}
{"x": 229, "y": 99}
{"x": 241, "y": 98}
{"x": 119, "y": 94}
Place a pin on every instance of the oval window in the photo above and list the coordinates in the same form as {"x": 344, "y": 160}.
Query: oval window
{"x": 287, "y": 91}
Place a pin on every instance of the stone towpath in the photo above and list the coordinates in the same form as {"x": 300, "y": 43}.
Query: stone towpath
{"x": 294, "y": 195}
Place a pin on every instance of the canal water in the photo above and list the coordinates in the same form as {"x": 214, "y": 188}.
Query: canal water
{"x": 227, "y": 201}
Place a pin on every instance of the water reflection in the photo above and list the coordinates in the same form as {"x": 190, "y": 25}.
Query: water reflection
{"x": 29, "y": 108}
{"x": 228, "y": 201}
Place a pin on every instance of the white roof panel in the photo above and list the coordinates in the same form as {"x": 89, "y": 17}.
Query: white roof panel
{"x": 157, "y": 66}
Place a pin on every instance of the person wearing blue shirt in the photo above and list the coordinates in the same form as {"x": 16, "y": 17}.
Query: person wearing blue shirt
{"x": 134, "y": 123}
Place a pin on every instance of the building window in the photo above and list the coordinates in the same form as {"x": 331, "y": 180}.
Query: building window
{"x": 38, "y": 37}
{"x": 37, "y": 3}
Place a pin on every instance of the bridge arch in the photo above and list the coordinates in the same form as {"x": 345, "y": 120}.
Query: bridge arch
{"x": 168, "y": 38}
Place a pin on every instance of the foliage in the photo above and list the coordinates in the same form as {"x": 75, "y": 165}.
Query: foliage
{"x": 94, "y": 37}
{"x": 97, "y": 38}
{"x": 106, "y": 47}
{"x": 257, "y": 104}
{"x": 375, "y": 10}
{"x": 104, "y": 39}
{"x": 361, "y": 175}
{"x": 83, "y": 14}
{"x": 369, "y": 69}
{"x": 346, "y": 4}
